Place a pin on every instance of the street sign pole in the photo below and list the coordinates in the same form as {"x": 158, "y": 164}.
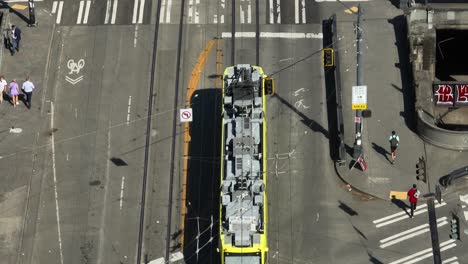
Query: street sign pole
{"x": 32, "y": 15}
{"x": 357, "y": 151}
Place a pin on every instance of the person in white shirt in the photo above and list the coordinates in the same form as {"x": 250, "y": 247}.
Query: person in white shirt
{"x": 3, "y": 85}
{"x": 28, "y": 88}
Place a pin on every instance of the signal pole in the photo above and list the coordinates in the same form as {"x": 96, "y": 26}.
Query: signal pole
{"x": 357, "y": 149}
{"x": 421, "y": 175}
{"x": 32, "y": 15}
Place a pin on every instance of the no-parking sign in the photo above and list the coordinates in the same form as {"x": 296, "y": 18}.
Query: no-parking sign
{"x": 186, "y": 115}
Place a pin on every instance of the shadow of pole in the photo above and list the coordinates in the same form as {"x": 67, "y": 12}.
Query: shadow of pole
{"x": 316, "y": 127}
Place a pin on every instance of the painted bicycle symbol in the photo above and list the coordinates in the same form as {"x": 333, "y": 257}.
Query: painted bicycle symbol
{"x": 75, "y": 67}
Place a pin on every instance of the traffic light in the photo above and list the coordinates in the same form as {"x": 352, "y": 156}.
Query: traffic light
{"x": 421, "y": 172}
{"x": 328, "y": 57}
{"x": 454, "y": 227}
{"x": 269, "y": 86}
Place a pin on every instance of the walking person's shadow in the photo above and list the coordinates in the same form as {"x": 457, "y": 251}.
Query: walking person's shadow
{"x": 402, "y": 205}
{"x": 381, "y": 151}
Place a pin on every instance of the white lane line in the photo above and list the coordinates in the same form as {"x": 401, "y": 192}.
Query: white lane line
{"x": 168, "y": 11}
{"x": 196, "y": 12}
{"x": 223, "y": 6}
{"x": 281, "y": 35}
{"x": 135, "y": 37}
{"x": 20, "y": 1}
{"x": 190, "y": 11}
{"x": 54, "y": 7}
{"x": 163, "y": 11}
{"x": 342, "y": 0}
{"x": 114, "y": 11}
{"x": 80, "y": 12}
{"x": 303, "y": 11}
{"x": 272, "y": 16}
{"x": 405, "y": 259}
{"x": 278, "y": 11}
{"x": 122, "y": 186}
{"x": 249, "y": 12}
{"x": 108, "y": 9}
{"x": 135, "y": 9}
{"x": 296, "y": 11}
{"x": 142, "y": 8}
{"x": 413, "y": 234}
{"x": 128, "y": 109}
{"x": 241, "y": 13}
{"x": 59, "y": 14}
{"x": 102, "y": 237}
{"x": 54, "y": 171}
{"x": 67, "y": 157}
{"x": 76, "y": 113}
{"x": 85, "y": 19}
{"x": 449, "y": 260}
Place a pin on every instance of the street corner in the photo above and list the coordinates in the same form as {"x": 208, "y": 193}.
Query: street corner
{"x": 397, "y": 195}
{"x": 353, "y": 183}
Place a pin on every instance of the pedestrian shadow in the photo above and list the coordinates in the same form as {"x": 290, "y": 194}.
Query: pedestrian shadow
{"x": 402, "y": 205}
{"x": 373, "y": 260}
{"x": 382, "y": 151}
{"x": 4, "y": 5}
{"x": 346, "y": 208}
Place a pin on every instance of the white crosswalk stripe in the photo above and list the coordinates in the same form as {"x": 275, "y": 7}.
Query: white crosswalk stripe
{"x": 111, "y": 11}
{"x": 57, "y": 8}
{"x": 451, "y": 260}
{"x": 83, "y": 12}
{"x": 138, "y": 8}
{"x": 397, "y": 238}
{"x": 426, "y": 253}
{"x": 402, "y": 215}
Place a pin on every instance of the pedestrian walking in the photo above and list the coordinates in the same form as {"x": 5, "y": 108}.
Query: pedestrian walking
{"x": 394, "y": 140}
{"x": 3, "y": 85}
{"x": 28, "y": 88}
{"x": 14, "y": 92}
{"x": 413, "y": 196}
{"x": 16, "y": 37}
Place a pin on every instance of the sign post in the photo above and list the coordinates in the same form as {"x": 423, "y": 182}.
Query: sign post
{"x": 32, "y": 15}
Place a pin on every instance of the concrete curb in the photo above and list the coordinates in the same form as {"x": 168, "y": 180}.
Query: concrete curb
{"x": 337, "y": 171}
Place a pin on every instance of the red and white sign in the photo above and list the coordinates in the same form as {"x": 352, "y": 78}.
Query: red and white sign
{"x": 362, "y": 162}
{"x": 186, "y": 115}
{"x": 357, "y": 119}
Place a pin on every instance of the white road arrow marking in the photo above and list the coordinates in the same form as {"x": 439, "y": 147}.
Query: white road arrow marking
{"x": 73, "y": 81}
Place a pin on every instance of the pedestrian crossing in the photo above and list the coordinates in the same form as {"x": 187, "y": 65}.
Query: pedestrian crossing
{"x": 398, "y": 230}
{"x": 123, "y": 12}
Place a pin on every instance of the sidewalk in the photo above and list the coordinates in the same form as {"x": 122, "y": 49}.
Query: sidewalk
{"x": 23, "y": 156}
{"x": 387, "y": 98}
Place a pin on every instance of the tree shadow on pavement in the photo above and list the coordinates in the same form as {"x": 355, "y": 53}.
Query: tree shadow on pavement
{"x": 382, "y": 151}
{"x": 402, "y": 205}
{"x": 346, "y": 208}
{"x": 407, "y": 87}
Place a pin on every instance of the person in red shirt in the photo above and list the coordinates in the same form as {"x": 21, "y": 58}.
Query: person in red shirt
{"x": 413, "y": 195}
